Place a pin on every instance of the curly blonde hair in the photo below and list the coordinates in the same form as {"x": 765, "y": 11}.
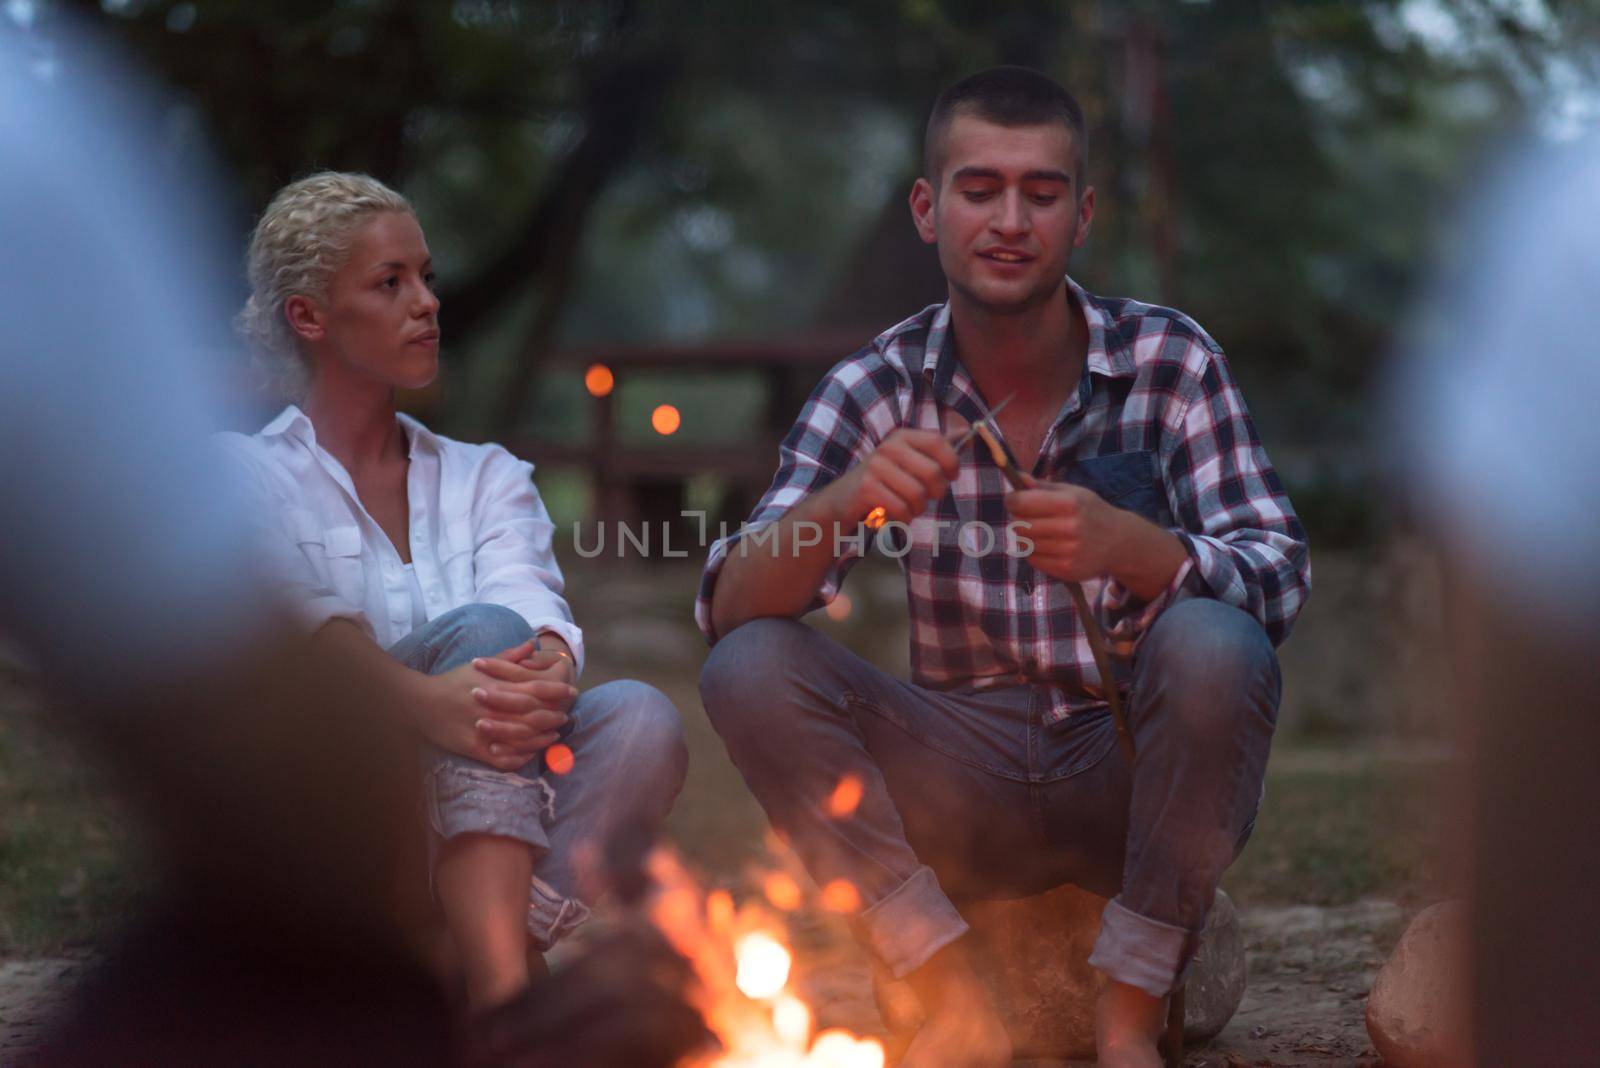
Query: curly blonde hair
{"x": 301, "y": 239}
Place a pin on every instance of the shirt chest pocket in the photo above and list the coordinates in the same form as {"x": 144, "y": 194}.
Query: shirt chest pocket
{"x": 455, "y": 558}
{"x": 1126, "y": 480}
{"x": 334, "y": 553}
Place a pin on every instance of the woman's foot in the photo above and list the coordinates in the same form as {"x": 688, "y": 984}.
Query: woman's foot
{"x": 1127, "y": 1026}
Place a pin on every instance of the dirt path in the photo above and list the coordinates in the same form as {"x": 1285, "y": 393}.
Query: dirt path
{"x": 1310, "y": 970}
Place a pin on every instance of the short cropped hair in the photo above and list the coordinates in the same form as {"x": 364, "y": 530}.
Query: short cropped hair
{"x": 302, "y": 238}
{"x": 1005, "y": 96}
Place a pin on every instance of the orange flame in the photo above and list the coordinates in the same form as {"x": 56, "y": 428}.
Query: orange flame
{"x": 719, "y": 911}
{"x": 782, "y": 891}
{"x": 763, "y": 966}
{"x": 846, "y": 798}
{"x": 745, "y": 973}
{"x": 835, "y": 1048}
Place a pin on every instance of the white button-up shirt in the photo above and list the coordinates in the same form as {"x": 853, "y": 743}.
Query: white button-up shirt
{"x": 479, "y": 532}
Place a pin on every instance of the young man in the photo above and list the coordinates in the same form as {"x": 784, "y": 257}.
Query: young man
{"x": 995, "y": 772}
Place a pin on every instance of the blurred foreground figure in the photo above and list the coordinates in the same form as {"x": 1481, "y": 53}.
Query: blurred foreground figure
{"x": 256, "y": 762}
{"x": 1502, "y": 433}
{"x": 276, "y": 782}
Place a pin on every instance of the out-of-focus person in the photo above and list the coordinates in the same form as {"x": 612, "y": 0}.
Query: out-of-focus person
{"x": 1496, "y": 414}
{"x": 430, "y": 561}
{"x": 270, "y": 773}
{"x": 280, "y": 923}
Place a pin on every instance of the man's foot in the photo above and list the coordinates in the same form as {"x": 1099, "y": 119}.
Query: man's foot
{"x": 1127, "y": 1026}
{"x": 962, "y": 1028}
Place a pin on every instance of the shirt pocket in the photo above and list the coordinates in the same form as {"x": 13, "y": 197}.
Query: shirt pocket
{"x": 1126, "y": 480}
{"x": 455, "y": 560}
{"x": 333, "y": 552}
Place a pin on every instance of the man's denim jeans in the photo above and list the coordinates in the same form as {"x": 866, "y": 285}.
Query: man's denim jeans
{"x": 969, "y": 795}
{"x": 628, "y": 764}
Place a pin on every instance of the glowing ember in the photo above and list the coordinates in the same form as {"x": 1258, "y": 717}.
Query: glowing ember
{"x": 839, "y": 608}
{"x": 599, "y": 380}
{"x": 846, "y": 798}
{"x": 558, "y": 758}
{"x": 665, "y": 419}
{"x": 782, "y": 891}
{"x": 841, "y": 896}
{"x": 763, "y": 966}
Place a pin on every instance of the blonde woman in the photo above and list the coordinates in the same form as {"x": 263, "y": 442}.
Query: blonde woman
{"x": 432, "y": 558}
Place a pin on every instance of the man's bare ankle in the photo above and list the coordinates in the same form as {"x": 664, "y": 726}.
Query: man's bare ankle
{"x": 962, "y": 1025}
{"x": 1128, "y": 1024}
{"x": 949, "y": 977}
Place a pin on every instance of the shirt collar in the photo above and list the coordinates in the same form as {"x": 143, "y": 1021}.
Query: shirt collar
{"x": 291, "y": 423}
{"x": 1107, "y": 355}
{"x": 419, "y": 437}
{"x": 296, "y": 424}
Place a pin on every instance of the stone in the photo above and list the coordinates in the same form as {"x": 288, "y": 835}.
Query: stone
{"x": 1034, "y": 955}
{"x": 1417, "y": 1013}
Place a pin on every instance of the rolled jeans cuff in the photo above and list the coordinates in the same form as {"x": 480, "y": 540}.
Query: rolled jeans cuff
{"x": 551, "y": 917}
{"x": 464, "y": 799}
{"x": 1139, "y": 951}
{"x": 911, "y": 924}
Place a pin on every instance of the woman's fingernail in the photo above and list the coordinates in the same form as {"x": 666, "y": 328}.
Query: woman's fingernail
{"x": 478, "y": 663}
{"x": 497, "y": 749}
{"x": 479, "y": 692}
{"x": 481, "y": 724}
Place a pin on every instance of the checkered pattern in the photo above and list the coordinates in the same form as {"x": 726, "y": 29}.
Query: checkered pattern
{"x": 1156, "y": 426}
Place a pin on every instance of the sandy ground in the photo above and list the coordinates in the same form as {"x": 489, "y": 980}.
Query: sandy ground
{"x": 1310, "y": 970}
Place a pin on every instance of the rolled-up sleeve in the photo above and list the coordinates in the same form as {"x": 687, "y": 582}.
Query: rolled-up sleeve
{"x": 1245, "y": 544}
{"x": 513, "y": 557}
{"x": 823, "y": 444}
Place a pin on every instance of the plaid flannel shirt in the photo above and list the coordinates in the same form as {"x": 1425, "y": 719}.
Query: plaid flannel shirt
{"x": 1156, "y": 426}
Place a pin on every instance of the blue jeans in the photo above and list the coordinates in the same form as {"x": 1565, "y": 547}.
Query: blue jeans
{"x": 970, "y": 795}
{"x": 628, "y": 765}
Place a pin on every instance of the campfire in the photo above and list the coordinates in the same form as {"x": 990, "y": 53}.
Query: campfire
{"x": 743, "y": 957}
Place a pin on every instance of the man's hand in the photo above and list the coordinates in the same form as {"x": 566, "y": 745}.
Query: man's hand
{"x": 907, "y": 470}
{"x": 1076, "y": 535}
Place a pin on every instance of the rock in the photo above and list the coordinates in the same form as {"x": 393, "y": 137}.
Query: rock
{"x": 1417, "y": 1011}
{"x": 1034, "y": 954}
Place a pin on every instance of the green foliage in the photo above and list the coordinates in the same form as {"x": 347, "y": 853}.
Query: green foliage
{"x": 633, "y": 170}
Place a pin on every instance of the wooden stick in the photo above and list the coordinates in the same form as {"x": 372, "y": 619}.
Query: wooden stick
{"x": 1091, "y": 626}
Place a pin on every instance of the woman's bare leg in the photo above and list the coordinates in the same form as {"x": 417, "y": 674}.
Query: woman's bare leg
{"x": 483, "y": 888}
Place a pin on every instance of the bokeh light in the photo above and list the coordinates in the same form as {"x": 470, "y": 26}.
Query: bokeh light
{"x": 558, "y": 758}
{"x": 841, "y": 896}
{"x": 665, "y": 419}
{"x": 599, "y": 380}
{"x": 846, "y": 797}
